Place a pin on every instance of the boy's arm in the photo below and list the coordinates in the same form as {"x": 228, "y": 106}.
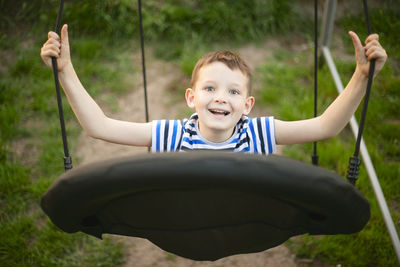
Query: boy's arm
{"x": 89, "y": 114}
{"x": 338, "y": 114}
{"x": 92, "y": 119}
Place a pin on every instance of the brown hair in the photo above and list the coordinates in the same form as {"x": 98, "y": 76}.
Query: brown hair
{"x": 231, "y": 60}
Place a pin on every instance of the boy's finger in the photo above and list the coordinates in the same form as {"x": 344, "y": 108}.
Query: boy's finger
{"x": 46, "y": 52}
{"x": 53, "y": 35}
{"x": 371, "y": 44}
{"x": 54, "y": 42}
{"x": 64, "y": 34}
{"x": 377, "y": 55}
{"x": 372, "y": 37}
{"x": 55, "y": 49}
{"x": 53, "y": 53}
{"x": 356, "y": 42}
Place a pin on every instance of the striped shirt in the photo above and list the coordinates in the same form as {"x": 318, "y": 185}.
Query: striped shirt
{"x": 251, "y": 135}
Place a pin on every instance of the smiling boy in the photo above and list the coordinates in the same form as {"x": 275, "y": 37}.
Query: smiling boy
{"x": 220, "y": 95}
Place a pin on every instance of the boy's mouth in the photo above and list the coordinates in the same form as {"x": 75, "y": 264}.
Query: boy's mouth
{"x": 219, "y": 112}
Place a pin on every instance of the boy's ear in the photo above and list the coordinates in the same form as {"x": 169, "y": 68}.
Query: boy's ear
{"x": 249, "y": 105}
{"x": 189, "y": 95}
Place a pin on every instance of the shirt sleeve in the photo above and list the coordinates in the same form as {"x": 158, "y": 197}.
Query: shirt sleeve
{"x": 262, "y": 135}
{"x": 166, "y": 135}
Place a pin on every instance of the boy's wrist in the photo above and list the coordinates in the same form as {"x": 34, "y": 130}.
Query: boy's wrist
{"x": 359, "y": 75}
{"x": 68, "y": 69}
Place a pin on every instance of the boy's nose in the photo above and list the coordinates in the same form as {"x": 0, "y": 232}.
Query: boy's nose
{"x": 220, "y": 98}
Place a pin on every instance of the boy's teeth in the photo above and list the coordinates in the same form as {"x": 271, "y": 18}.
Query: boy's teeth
{"x": 219, "y": 111}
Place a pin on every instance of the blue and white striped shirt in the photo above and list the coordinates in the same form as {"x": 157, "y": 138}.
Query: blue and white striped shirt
{"x": 251, "y": 135}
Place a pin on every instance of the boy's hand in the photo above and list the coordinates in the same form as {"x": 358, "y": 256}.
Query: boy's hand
{"x": 58, "y": 48}
{"x": 371, "y": 50}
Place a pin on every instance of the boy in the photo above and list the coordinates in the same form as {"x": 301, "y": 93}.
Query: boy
{"x": 220, "y": 95}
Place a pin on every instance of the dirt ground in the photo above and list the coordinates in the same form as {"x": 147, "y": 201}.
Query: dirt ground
{"x": 161, "y": 75}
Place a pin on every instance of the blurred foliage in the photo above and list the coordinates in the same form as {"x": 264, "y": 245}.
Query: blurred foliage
{"x": 384, "y": 20}
{"x": 171, "y": 19}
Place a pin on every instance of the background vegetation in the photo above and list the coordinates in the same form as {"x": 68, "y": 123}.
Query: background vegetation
{"x": 30, "y": 143}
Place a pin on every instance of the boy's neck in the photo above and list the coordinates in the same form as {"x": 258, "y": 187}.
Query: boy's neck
{"x": 215, "y": 136}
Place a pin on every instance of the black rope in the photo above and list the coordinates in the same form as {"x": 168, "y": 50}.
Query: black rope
{"x": 314, "y": 157}
{"x": 143, "y": 59}
{"x": 355, "y": 161}
{"x": 67, "y": 158}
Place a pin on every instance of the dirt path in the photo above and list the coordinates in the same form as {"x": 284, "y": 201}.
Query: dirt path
{"x": 141, "y": 252}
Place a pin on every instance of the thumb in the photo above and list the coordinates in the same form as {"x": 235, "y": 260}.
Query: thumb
{"x": 358, "y": 48}
{"x": 64, "y": 35}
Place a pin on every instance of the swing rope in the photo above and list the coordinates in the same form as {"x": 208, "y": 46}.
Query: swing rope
{"x": 67, "y": 158}
{"x": 143, "y": 59}
{"x": 355, "y": 161}
{"x": 314, "y": 157}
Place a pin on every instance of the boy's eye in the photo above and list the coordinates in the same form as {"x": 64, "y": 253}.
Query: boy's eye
{"x": 234, "y": 92}
{"x": 209, "y": 89}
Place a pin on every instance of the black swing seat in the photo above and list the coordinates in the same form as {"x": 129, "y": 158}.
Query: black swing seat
{"x": 205, "y": 206}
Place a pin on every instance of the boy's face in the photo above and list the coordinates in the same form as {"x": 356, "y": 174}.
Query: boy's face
{"x": 220, "y": 98}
